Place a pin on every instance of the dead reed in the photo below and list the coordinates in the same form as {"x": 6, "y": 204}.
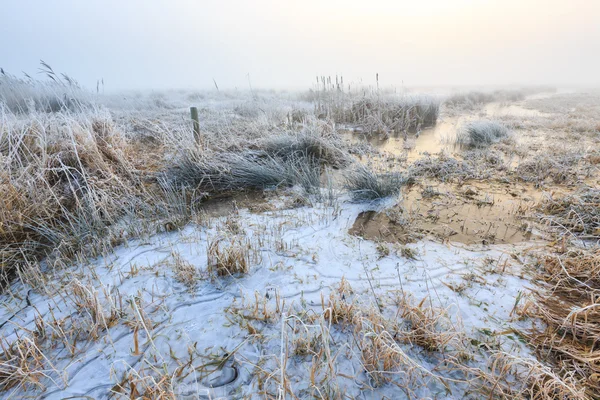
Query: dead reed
{"x": 567, "y": 301}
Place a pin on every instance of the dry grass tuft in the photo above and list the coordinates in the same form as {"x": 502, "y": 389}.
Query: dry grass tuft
{"x": 386, "y": 348}
{"x": 568, "y": 303}
{"x": 23, "y": 366}
{"x": 481, "y": 133}
{"x": 511, "y": 377}
{"x": 382, "y": 358}
{"x": 559, "y": 169}
{"x": 65, "y": 181}
{"x": 340, "y": 308}
{"x": 145, "y": 383}
{"x": 377, "y": 115}
{"x": 228, "y": 257}
{"x": 427, "y": 326}
{"x": 578, "y": 213}
{"x": 185, "y": 272}
{"x": 373, "y": 110}
{"x": 446, "y": 168}
{"x": 365, "y": 184}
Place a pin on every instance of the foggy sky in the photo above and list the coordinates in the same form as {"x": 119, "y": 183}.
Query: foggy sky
{"x": 136, "y": 44}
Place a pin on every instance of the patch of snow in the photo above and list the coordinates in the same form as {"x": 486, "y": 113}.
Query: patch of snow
{"x": 301, "y": 255}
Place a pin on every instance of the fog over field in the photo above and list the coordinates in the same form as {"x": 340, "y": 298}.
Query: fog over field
{"x": 186, "y": 44}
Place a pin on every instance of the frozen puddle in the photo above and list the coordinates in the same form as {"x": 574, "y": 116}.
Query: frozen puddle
{"x": 127, "y": 321}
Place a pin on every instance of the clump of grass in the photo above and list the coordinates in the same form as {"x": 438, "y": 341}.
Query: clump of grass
{"x": 66, "y": 181}
{"x": 326, "y": 149}
{"x": 481, "y": 133}
{"x": 375, "y": 111}
{"x": 228, "y": 257}
{"x": 392, "y": 114}
{"x": 577, "y": 213}
{"x": 511, "y": 377}
{"x": 340, "y": 308}
{"x": 409, "y": 253}
{"x": 382, "y": 358}
{"x": 557, "y": 168}
{"x": 427, "y": 326}
{"x": 305, "y": 345}
{"x": 185, "y": 272}
{"x": 487, "y": 157}
{"x": 249, "y": 169}
{"x": 382, "y": 345}
{"x": 22, "y": 365}
{"x": 446, "y": 168}
{"x": 383, "y": 250}
{"x": 146, "y": 381}
{"x": 364, "y": 184}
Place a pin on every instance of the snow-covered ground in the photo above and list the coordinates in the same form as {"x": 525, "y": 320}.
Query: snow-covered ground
{"x": 230, "y": 336}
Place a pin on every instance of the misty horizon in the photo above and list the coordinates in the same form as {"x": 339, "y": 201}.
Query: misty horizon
{"x": 268, "y": 45}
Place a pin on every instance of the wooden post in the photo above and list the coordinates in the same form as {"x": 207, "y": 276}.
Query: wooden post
{"x": 194, "y": 113}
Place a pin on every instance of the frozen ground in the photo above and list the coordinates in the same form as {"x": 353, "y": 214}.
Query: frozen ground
{"x": 298, "y": 257}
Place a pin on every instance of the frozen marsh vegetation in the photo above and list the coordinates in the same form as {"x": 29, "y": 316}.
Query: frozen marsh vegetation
{"x": 138, "y": 263}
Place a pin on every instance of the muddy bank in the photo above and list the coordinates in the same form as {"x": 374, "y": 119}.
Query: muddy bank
{"x": 480, "y": 213}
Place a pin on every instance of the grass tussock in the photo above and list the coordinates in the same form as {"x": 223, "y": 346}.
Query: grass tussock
{"x": 481, "y": 133}
{"x": 65, "y": 181}
{"x": 324, "y": 147}
{"x": 559, "y": 169}
{"x": 145, "y": 382}
{"x": 185, "y": 272}
{"x": 280, "y": 161}
{"x": 365, "y": 185}
{"x": 228, "y": 257}
{"x": 384, "y": 343}
{"x": 340, "y": 307}
{"x": 426, "y": 326}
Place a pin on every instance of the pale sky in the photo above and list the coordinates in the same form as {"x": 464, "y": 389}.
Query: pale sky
{"x": 155, "y": 44}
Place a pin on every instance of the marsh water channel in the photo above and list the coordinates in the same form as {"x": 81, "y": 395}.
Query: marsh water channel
{"x": 480, "y": 212}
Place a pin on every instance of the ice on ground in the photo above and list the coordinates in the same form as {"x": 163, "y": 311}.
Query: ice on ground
{"x": 224, "y": 336}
